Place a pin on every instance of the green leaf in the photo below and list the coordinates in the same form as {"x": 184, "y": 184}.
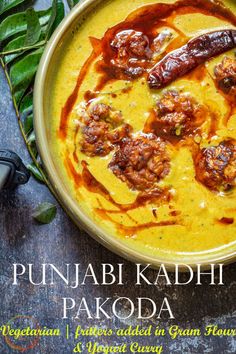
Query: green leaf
{"x": 31, "y": 142}
{"x": 18, "y": 95}
{"x": 18, "y": 43}
{"x": 13, "y": 45}
{"x": 72, "y": 3}
{"x": 16, "y": 47}
{"x": 6, "y": 5}
{"x": 23, "y": 72}
{"x": 26, "y": 113}
{"x": 28, "y": 124}
{"x": 17, "y": 23}
{"x": 60, "y": 14}
{"x": 33, "y": 27}
{"x": 26, "y": 105}
{"x": 45, "y": 213}
{"x": 35, "y": 172}
{"x": 52, "y": 18}
{"x": 34, "y": 150}
{"x": 31, "y": 138}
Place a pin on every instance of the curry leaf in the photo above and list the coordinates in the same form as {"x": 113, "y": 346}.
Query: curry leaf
{"x": 26, "y": 111}
{"x": 18, "y": 94}
{"x": 6, "y": 5}
{"x": 33, "y": 27}
{"x": 45, "y": 213}
{"x": 28, "y": 124}
{"x": 31, "y": 138}
{"x": 18, "y": 44}
{"x": 15, "y": 44}
{"x": 31, "y": 142}
{"x": 72, "y": 3}
{"x": 17, "y": 23}
{"x": 34, "y": 150}
{"x": 22, "y": 73}
{"x": 52, "y": 18}
{"x": 26, "y": 105}
{"x": 35, "y": 172}
{"x": 16, "y": 47}
{"x": 58, "y": 13}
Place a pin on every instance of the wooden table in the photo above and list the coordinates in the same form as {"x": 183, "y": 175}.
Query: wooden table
{"x": 24, "y": 241}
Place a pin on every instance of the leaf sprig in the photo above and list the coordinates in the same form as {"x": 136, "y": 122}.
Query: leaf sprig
{"x": 23, "y": 37}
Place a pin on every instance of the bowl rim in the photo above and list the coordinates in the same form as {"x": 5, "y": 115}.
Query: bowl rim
{"x": 70, "y": 206}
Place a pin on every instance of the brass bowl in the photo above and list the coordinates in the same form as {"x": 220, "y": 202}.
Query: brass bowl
{"x": 42, "y": 89}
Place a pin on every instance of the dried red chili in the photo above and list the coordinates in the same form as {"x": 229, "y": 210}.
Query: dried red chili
{"x": 191, "y": 55}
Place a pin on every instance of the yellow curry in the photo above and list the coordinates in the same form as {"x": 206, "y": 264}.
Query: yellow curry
{"x": 144, "y": 124}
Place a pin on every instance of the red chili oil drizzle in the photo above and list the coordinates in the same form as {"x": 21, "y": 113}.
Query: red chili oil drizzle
{"x": 130, "y": 231}
{"x": 77, "y": 178}
{"x": 232, "y": 109}
{"x": 87, "y": 180}
{"x": 102, "y": 209}
{"x": 146, "y": 19}
{"x": 93, "y": 185}
{"x": 67, "y": 109}
{"x": 75, "y": 156}
{"x": 175, "y": 213}
{"x": 226, "y": 221}
{"x": 230, "y": 210}
{"x": 214, "y": 124}
{"x": 90, "y": 95}
{"x": 197, "y": 74}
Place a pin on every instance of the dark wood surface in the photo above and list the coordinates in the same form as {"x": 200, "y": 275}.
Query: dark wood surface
{"x": 61, "y": 242}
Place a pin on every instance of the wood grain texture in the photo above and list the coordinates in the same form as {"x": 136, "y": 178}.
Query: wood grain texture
{"x": 24, "y": 241}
